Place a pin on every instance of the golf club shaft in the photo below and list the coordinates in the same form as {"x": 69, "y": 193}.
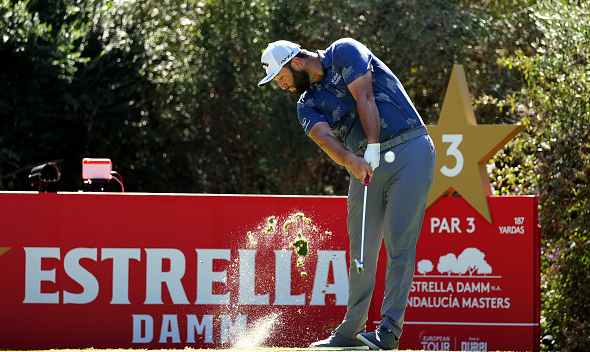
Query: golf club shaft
{"x": 364, "y": 216}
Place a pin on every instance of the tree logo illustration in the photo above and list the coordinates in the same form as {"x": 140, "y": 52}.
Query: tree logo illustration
{"x": 471, "y": 261}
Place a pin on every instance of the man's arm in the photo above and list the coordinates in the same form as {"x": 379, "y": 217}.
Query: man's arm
{"x": 362, "y": 91}
{"x": 322, "y": 134}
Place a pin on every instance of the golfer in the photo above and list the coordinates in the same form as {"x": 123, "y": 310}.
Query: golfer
{"x": 356, "y": 110}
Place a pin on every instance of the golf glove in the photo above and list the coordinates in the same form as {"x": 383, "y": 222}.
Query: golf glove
{"x": 373, "y": 154}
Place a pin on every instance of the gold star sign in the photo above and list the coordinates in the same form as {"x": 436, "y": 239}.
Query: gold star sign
{"x": 463, "y": 148}
{"x": 4, "y": 250}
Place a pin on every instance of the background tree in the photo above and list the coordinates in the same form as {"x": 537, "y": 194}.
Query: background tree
{"x": 552, "y": 159}
{"x": 38, "y": 61}
{"x": 167, "y": 89}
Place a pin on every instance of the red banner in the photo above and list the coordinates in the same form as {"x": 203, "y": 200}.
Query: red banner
{"x": 208, "y": 271}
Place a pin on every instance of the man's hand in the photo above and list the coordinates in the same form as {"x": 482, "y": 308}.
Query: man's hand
{"x": 373, "y": 154}
{"x": 359, "y": 168}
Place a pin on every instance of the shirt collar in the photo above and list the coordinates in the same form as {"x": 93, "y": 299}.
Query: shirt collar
{"x": 326, "y": 61}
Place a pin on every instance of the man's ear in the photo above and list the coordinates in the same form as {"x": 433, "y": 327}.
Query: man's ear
{"x": 297, "y": 64}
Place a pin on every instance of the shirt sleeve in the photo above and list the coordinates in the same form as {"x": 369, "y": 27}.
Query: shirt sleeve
{"x": 308, "y": 114}
{"x": 353, "y": 58}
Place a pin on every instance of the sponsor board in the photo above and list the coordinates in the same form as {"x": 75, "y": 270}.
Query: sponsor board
{"x": 167, "y": 271}
{"x": 209, "y": 271}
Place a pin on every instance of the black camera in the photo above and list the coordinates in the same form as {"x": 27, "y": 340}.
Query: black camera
{"x": 44, "y": 177}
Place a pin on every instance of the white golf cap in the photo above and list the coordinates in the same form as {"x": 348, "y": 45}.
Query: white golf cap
{"x": 276, "y": 55}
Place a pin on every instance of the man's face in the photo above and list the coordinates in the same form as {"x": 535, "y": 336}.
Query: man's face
{"x": 297, "y": 81}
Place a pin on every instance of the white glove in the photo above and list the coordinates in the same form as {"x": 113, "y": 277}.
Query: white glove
{"x": 373, "y": 154}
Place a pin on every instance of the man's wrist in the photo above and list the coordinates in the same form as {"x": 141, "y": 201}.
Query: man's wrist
{"x": 373, "y": 146}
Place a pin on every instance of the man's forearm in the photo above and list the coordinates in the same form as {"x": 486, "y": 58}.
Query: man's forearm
{"x": 337, "y": 151}
{"x": 369, "y": 116}
{"x": 331, "y": 145}
{"x": 362, "y": 91}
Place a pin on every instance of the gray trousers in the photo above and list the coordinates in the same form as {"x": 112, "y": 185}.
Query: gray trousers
{"x": 396, "y": 203}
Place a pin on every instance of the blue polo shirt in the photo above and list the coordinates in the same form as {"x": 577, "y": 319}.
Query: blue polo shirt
{"x": 329, "y": 100}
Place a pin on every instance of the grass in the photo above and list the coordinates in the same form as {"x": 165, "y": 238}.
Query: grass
{"x": 187, "y": 349}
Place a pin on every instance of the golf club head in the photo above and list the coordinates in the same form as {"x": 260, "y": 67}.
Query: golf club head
{"x": 359, "y": 266}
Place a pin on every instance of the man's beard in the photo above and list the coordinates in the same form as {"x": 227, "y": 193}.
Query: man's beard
{"x": 301, "y": 80}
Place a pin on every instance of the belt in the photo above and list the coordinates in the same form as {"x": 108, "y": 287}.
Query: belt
{"x": 399, "y": 139}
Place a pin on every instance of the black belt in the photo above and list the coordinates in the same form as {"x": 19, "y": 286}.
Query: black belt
{"x": 399, "y": 139}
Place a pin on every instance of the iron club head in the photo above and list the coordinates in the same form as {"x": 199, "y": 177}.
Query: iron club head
{"x": 359, "y": 266}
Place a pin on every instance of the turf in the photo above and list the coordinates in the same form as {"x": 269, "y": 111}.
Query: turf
{"x": 267, "y": 349}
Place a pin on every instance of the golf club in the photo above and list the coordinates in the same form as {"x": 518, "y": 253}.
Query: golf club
{"x": 359, "y": 266}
